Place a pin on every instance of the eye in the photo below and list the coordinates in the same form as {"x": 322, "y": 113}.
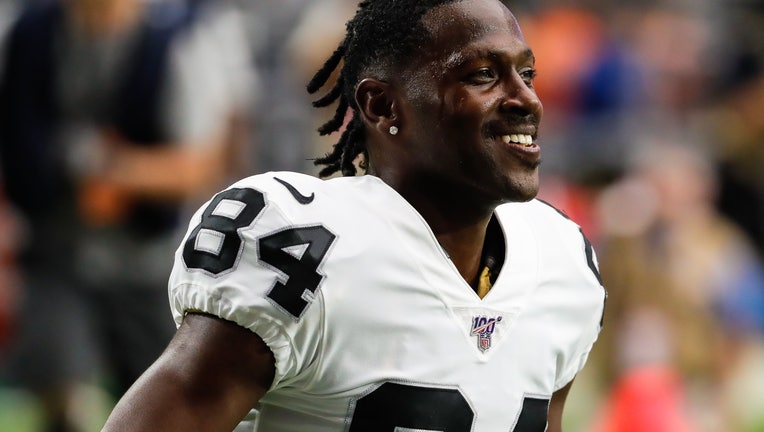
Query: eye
{"x": 528, "y": 75}
{"x": 481, "y": 76}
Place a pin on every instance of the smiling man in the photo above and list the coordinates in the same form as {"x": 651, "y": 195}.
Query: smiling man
{"x": 431, "y": 293}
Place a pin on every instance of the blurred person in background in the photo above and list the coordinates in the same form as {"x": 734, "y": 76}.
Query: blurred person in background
{"x": 688, "y": 295}
{"x": 738, "y": 127}
{"x": 114, "y": 114}
{"x": 281, "y": 115}
{"x": 291, "y": 39}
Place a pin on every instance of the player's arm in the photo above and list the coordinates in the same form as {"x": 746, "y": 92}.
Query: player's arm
{"x": 211, "y": 374}
{"x": 554, "y": 419}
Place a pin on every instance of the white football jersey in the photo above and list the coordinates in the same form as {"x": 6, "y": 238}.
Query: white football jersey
{"x": 371, "y": 325}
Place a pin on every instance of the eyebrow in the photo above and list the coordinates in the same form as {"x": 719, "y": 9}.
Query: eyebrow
{"x": 457, "y": 59}
{"x": 526, "y": 54}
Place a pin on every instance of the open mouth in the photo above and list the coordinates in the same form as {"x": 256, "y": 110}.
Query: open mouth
{"x": 522, "y": 139}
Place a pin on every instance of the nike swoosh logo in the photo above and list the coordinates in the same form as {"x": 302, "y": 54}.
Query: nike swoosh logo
{"x": 302, "y": 199}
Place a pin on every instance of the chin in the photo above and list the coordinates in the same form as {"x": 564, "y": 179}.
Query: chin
{"x": 523, "y": 196}
{"x": 517, "y": 196}
{"x": 504, "y": 189}
{"x": 521, "y": 190}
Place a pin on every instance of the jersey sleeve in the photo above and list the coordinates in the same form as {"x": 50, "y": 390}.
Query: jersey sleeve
{"x": 231, "y": 264}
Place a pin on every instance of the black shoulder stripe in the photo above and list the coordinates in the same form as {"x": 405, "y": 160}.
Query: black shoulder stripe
{"x": 590, "y": 261}
{"x": 590, "y": 256}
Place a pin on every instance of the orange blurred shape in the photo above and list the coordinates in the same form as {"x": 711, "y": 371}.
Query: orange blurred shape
{"x": 102, "y": 203}
{"x": 566, "y": 42}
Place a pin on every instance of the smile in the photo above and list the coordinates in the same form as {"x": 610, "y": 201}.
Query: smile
{"x": 523, "y": 139}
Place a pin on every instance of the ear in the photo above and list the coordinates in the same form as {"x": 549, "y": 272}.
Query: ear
{"x": 377, "y": 104}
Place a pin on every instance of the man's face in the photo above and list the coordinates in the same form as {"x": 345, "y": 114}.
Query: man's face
{"x": 470, "y": 105}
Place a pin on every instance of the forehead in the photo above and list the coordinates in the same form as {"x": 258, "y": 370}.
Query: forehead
{"x": 461, "y": 25}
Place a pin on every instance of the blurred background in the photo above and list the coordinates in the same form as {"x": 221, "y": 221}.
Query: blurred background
{"x": 119, "y": 117}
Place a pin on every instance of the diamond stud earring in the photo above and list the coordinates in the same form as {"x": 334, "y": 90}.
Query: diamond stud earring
{"x": 393, "y": 130}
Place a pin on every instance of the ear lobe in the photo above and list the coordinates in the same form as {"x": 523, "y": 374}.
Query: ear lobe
{"x": 376, "y": 103}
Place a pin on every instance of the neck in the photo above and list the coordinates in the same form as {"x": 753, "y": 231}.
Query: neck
{"x": 464, "y": 246}
{"x": 458, "y": 222}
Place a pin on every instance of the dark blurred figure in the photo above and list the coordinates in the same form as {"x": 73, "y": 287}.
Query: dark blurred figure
{"x": 738, "y": 122}
{"x": 8, "y": 224}
{"x": 114, "y": 114}
{"x": 282, "y": 129}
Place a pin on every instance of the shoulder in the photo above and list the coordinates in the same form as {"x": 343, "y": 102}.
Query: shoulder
{"x": 273, "y": 181}
{"x": 286, "y": 188}
{"x": 258, "y": 253}
{"x": 281, "y": 200}
{"x": 296, "y": 193}
{"x": 541, "y": 214}
{"x": 557, "y": 236}
{"x": 550, "y": 227}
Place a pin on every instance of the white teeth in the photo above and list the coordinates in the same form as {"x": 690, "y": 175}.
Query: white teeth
{"x": 526, "y": 140}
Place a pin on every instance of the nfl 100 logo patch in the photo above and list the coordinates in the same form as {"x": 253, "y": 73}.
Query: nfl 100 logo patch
{"x": 483, "y": 327}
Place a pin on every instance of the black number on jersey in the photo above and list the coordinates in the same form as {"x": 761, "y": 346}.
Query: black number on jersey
{"x": 302, "y": 273}
{"x": 223, "y": 224}
{"x": 533, "y": 417}
{"x": 392, "y": 406}
{"x": 234, "y": 209}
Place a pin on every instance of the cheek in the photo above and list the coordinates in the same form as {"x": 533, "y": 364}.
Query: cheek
{"x": 488, "y": 104}
{"x": 473, "y": 108}
{"x": 462, "y": 100}
{"x": 458, "y": 103}
{"x": 465, "y": 110}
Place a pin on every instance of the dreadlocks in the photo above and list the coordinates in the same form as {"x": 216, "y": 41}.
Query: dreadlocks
{"x": 382, "y": 33}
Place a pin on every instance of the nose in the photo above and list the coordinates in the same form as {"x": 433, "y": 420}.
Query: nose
{"x": 520, "y": 96}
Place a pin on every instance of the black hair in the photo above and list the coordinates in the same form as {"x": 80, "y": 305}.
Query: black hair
{"x": 381, "y": 35}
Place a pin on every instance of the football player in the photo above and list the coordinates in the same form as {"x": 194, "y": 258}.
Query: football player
{"x": 431, "y": 293}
